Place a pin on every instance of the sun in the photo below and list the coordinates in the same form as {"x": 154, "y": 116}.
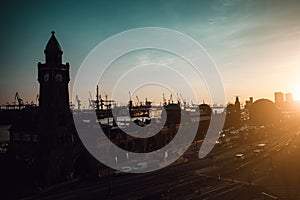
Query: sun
{"x": 296, "y": 93}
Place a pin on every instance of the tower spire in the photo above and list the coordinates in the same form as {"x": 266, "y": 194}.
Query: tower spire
{"x": 53, "y": 51}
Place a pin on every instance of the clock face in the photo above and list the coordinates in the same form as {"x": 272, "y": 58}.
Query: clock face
{"x": 46, "y": 77}
{"x": 58, "y": 77}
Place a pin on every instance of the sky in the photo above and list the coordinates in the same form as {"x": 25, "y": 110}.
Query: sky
{"x": 254, "y": 44}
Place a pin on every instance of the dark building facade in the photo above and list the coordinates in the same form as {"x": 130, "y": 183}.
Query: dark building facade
{"x": 55, "y": 123}
{"x": 233, "y": 115}
{"x": 43, "y": 141}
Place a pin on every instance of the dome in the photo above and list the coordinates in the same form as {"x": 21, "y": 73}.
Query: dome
{"x": 205, "y": 109}
{"x": 263, "y": 112}
{"x": 204, "y": 106}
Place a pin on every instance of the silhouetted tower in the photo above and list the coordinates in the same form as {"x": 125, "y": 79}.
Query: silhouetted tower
{"x": 237, "y": 104}
{"x": 55, "y": 118}
{"x": 54, "y": 78}
{"x": 251, "y": 100}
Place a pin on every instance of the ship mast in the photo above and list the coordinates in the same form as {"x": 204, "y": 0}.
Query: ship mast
{"x": 97, "y": 98}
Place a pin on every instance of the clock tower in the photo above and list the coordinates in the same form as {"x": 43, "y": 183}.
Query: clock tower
{"x": 55, "y": 118}
{"x": 54, "y": 78}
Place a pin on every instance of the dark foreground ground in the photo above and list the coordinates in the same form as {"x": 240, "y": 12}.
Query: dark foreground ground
{"x": 270, "y": 173}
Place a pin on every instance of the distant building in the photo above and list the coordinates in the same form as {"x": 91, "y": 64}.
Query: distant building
{"x": 251, "y": 99}
{"x": 289, "y": 98}
{"x": 289, "y": 102}
{"x": 233, "y": 114}
{"x": 279, "y": 99}
{"x": 248, "y": 103}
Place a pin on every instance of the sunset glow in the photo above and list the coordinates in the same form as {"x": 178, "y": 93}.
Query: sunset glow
{"x": 255, "y": 44}
{"x": 296, "y": 93}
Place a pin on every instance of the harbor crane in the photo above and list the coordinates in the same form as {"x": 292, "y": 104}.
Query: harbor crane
{"x": 130, "y": 101}
{"x": 171, "y": 99}
{"x": 91, "y": 101}
{"x": 164, "y": 100}
{"x": 78, "y": 102}
{"x": 109, "y": 103}
{"x": 138, "y": 100}
{"x": 183, "y": 100}
{"x": 19, "y": 100}
{"x": 37, "y": 99}
{"x": 178, "y": 99}
{"x": 129, "y": 96}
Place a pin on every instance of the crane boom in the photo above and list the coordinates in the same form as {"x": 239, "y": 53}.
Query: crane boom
{"x": 171, "y": 98}
{"x": 18, "y": 98}
{"x": 137, "y": 98}
{"x": 164, "y": 99}
{"x": 78, "y": 102}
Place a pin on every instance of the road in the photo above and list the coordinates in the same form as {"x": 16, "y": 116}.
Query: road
{"x": 218, "y": 176}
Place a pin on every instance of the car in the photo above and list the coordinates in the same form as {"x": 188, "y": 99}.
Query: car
{"x": 262, "y": 145}
{"x": 123, "y": 170}
{"x": 239, "y": 156}
{"x": 256, "y": 151}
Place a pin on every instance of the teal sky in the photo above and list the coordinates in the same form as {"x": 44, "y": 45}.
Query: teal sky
{"x": 255, "y": 44}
